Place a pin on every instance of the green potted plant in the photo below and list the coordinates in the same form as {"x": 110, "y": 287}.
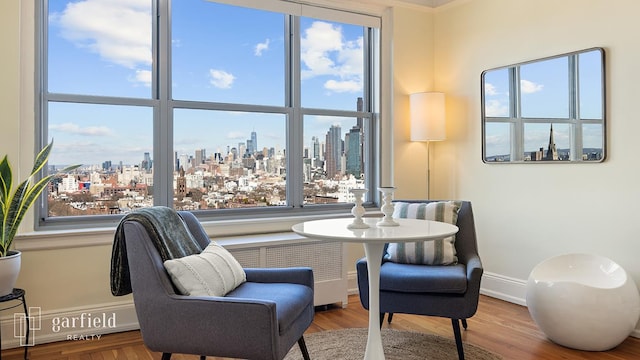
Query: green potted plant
{"x": 14, "y": 204}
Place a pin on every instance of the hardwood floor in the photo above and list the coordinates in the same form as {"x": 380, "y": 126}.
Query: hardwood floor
{"x": 504, "y": 328}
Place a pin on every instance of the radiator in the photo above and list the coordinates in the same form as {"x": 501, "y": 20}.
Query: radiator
{"x": 327, "y": 259}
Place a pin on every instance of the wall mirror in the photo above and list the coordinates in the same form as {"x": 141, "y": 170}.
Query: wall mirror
{"x": 546, "y": 110}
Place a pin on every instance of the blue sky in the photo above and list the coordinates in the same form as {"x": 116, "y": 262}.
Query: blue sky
{"x": 544, "y": 88}
{"x": 103, "y": 47}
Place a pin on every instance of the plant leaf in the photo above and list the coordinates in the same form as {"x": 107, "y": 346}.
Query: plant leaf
{"x": 26, "y": 195}
{"x": 41, "y": 158}
{"x": 5, "y": 180}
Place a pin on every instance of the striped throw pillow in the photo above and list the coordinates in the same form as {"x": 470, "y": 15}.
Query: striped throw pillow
{"x": 433, "y": 252}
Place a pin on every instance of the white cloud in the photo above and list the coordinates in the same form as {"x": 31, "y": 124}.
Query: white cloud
{"x": 221, "y": 79}
{"x": 261, "y": 47}
{"x": 326, "y": 53}
{"x": 494, "y": 108}
{"x": 490, "y": 89}
{"x": 119, "y": 31}
{"x": 343, "y": 86}
{"x": 72, "y": 128}
{"x": 529, "y": 87}
{"x": 142, "y": 77}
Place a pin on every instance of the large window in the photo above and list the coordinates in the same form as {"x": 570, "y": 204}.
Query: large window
{"x": 205, "y": 106}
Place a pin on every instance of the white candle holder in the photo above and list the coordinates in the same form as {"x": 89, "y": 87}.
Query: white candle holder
{"x": 387, "y": 207}
{"x": 358, "y": 210}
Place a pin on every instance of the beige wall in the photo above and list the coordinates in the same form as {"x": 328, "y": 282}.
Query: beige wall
{"x": 413, "y": 71}
{"x": 526, "y": 213}
{"x": 10, "y": 75}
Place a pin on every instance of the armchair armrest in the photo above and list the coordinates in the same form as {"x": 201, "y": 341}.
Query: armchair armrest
{"x": 474, "y": 268}
{"x": 293, "y": 275}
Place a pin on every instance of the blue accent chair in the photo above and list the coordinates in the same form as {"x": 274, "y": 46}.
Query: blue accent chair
{"x": 261, "y": 319}
{"x": 450, "y": 291}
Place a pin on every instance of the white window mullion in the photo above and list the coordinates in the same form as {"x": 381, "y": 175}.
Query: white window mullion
{"x": 163, "y": 112}
{"x": 295, "y": 168}
{"x": 575, "y": 153}
{"x": 517, "y": 145}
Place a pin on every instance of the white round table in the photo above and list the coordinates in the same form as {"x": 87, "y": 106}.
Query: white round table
{"x": 374, "y": 238}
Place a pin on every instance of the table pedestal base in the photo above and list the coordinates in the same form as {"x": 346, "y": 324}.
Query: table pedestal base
{"x": 373, "y": 252}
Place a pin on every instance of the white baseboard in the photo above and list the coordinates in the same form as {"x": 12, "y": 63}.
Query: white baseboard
{"x": 504, "y": 288}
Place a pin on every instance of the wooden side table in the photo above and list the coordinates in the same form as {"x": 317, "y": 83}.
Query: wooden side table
{"x": 19, "y": 296}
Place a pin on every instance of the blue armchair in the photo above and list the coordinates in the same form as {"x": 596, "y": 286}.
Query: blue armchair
{"x": 261, "y": 319}
{"x": 450, "y": 291}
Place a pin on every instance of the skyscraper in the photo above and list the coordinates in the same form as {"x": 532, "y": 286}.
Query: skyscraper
{"x": 254, "y": 142}
{"x": 359, "y": 107}
{"x": 333, "y": 151}
{"x": 200, "y": 156}
{"x": 316, "y": 147}
{"x": 146, "y": 163}
{"x": 353, "y": 145}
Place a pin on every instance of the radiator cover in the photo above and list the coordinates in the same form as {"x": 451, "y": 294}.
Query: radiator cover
{"x": 327, "y": 259}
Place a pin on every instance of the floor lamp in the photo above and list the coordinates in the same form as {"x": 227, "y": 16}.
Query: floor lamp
{"x": 427, "y": 122}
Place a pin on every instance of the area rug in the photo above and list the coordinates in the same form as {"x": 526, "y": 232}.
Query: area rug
{"x": 349, "y": 344}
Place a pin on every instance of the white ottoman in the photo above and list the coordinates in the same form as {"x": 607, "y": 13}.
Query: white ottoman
{"x": 581, "y": 301}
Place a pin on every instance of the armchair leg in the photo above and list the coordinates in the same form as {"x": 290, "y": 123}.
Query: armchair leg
{"x": 303, "y": 348}
{"x": 464, "y": 323}
{"x": 388, "y": 319}
{"x": 166, "y": 356}
{"x": 458, "y": 336}
{"x": 203, "y": 357}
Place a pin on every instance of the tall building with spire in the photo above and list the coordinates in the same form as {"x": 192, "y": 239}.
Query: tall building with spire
{"x": 552, "y": 151}
{"x": 252, "y": 144}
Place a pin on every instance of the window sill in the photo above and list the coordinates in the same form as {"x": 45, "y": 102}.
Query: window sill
{"x": 226, "y": 232}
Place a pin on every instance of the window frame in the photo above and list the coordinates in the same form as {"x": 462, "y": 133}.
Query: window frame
{"x": 163, "y": 106}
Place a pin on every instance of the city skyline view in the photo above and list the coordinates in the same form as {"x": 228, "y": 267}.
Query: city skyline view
{"x": 116, "y": 56}
{"x": 230, "y": 92}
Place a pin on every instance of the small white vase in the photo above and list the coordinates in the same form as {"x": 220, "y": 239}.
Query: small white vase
{"x": 358, "y": 210}
{"x": 387, "y": 207}
{"x": 9, "y": 270}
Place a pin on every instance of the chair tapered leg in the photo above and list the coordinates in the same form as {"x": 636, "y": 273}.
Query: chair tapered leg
{"x": 389, "y": 318}
{"x": 166, "y": 356}
{"x": 458, "y": 336}
{"x": 303, "y": 348}
{"x": 381, "y": 319}
{"x": 203, "y": 357}
{"x": 464, "y": 323}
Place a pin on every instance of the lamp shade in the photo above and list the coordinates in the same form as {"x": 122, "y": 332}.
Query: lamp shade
{"x": 427, "y": 116}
